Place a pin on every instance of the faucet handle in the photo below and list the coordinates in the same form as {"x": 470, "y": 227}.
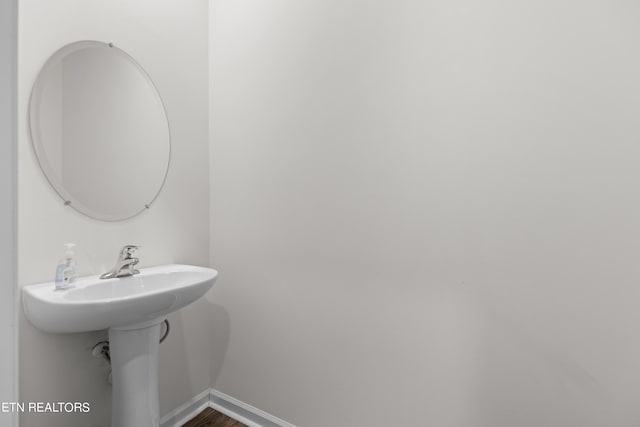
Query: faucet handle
{"x": 127, "y": 251}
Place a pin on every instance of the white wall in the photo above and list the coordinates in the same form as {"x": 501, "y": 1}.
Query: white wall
{"x": 426, "y": 212}
{"x": 169, "y": 39}
{"x": 8, "y": 327}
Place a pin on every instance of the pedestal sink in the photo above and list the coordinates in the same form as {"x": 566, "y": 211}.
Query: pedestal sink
{"x": 132, "y": 309}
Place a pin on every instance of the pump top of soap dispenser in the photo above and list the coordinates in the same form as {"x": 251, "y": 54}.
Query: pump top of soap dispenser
{"x": 69, "y": 250}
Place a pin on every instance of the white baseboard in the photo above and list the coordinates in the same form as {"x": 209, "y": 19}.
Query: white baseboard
{"x": 187, "y": 410}
{"x": 234, "y": 408}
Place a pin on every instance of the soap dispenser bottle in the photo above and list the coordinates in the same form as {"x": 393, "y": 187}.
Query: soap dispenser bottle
{"x": 66, "y": 271}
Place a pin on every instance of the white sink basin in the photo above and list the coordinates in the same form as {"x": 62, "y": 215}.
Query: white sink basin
{"x": 96, "y": 304}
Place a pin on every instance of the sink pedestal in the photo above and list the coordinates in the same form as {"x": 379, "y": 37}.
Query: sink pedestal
{"x": 134, "y": 372}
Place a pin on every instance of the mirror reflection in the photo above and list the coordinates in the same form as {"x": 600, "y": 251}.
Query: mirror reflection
{"x": 100, "y": 130}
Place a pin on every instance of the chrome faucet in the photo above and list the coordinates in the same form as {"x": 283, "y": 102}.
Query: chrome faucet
{"x": 124, "y": 264}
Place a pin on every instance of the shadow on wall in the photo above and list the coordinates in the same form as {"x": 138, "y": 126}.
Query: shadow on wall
{"x": 39, "y": 377}
{"x": 220, "y": 332}
{"x": 191, "y": 357}
{"x": 476, "y": 364}
{"x": 525, "y": 379}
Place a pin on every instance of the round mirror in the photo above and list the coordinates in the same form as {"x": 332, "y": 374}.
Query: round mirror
{"x": 100, "y": 130}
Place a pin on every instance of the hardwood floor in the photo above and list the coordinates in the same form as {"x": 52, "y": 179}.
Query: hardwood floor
{"x": 212, "y": 418}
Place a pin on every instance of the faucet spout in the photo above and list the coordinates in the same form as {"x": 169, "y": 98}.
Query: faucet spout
{"x": 124, "y": 264}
